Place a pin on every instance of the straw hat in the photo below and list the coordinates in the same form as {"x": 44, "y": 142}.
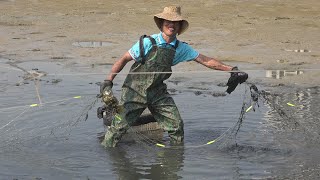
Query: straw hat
{"x": 171, "y": 13}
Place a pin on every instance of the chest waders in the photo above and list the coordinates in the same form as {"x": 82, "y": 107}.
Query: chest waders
{"x": 146, "y": 89}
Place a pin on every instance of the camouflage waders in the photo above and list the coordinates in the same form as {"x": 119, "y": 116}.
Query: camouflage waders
{"x": 147, "y": 90}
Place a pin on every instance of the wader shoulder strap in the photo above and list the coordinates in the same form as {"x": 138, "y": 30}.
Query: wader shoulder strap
{"x": 143, "y": 58}
{"x": 177, "y": 44}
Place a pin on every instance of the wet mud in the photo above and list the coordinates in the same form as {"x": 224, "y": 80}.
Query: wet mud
{"x": 53, "y": 54}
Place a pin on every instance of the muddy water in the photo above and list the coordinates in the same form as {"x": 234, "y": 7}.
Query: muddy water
{"x": 56, "y": 140}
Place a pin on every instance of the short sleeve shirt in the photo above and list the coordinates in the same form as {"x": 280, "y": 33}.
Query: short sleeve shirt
{"x": 184, "y": 52}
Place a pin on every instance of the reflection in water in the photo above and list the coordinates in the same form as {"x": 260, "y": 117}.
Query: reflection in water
{"x": 163, "y": 163}
{"x": 278, "y": 74}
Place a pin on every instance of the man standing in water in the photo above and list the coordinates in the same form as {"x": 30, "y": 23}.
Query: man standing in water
{"x": 144, "y": 87}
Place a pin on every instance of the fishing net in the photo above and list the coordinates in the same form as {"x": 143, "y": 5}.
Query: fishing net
{"x": 142, "y": 134}
{"x": 280, "y": 122}
{"x": 57, "y": 118}
{"x": 26, "y": 126}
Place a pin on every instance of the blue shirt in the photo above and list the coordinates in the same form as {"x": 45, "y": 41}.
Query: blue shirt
{"x": 184, "y": 52}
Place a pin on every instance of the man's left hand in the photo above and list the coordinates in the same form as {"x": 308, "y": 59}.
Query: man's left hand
{"x": 237, "y": 77}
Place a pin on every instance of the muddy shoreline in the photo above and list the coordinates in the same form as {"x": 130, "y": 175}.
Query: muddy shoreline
{"x": 268, "y": 34}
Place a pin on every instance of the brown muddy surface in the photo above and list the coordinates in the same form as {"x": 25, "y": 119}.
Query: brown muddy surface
{"x": 266, "y": 32}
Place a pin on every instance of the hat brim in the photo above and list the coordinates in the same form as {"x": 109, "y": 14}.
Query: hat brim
{"x": 158, "y": 19}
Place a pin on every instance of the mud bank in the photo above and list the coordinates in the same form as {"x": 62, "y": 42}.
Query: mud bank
{"x": 271, "y": 34}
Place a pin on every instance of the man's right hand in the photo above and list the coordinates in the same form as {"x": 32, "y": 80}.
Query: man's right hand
{"x": 106, "y": 85}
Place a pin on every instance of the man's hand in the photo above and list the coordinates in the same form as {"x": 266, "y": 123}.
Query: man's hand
{"x": 106, "y": 85}
{"x": 237, "y": 77}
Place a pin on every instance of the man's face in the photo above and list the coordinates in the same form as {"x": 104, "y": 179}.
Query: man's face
{"x": 170, "y": 28}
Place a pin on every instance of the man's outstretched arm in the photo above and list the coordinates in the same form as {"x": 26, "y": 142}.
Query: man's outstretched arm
{"x": 118, "y": 66}
{"x": 212, "y": 63}
{"x": 237, "y": 77}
